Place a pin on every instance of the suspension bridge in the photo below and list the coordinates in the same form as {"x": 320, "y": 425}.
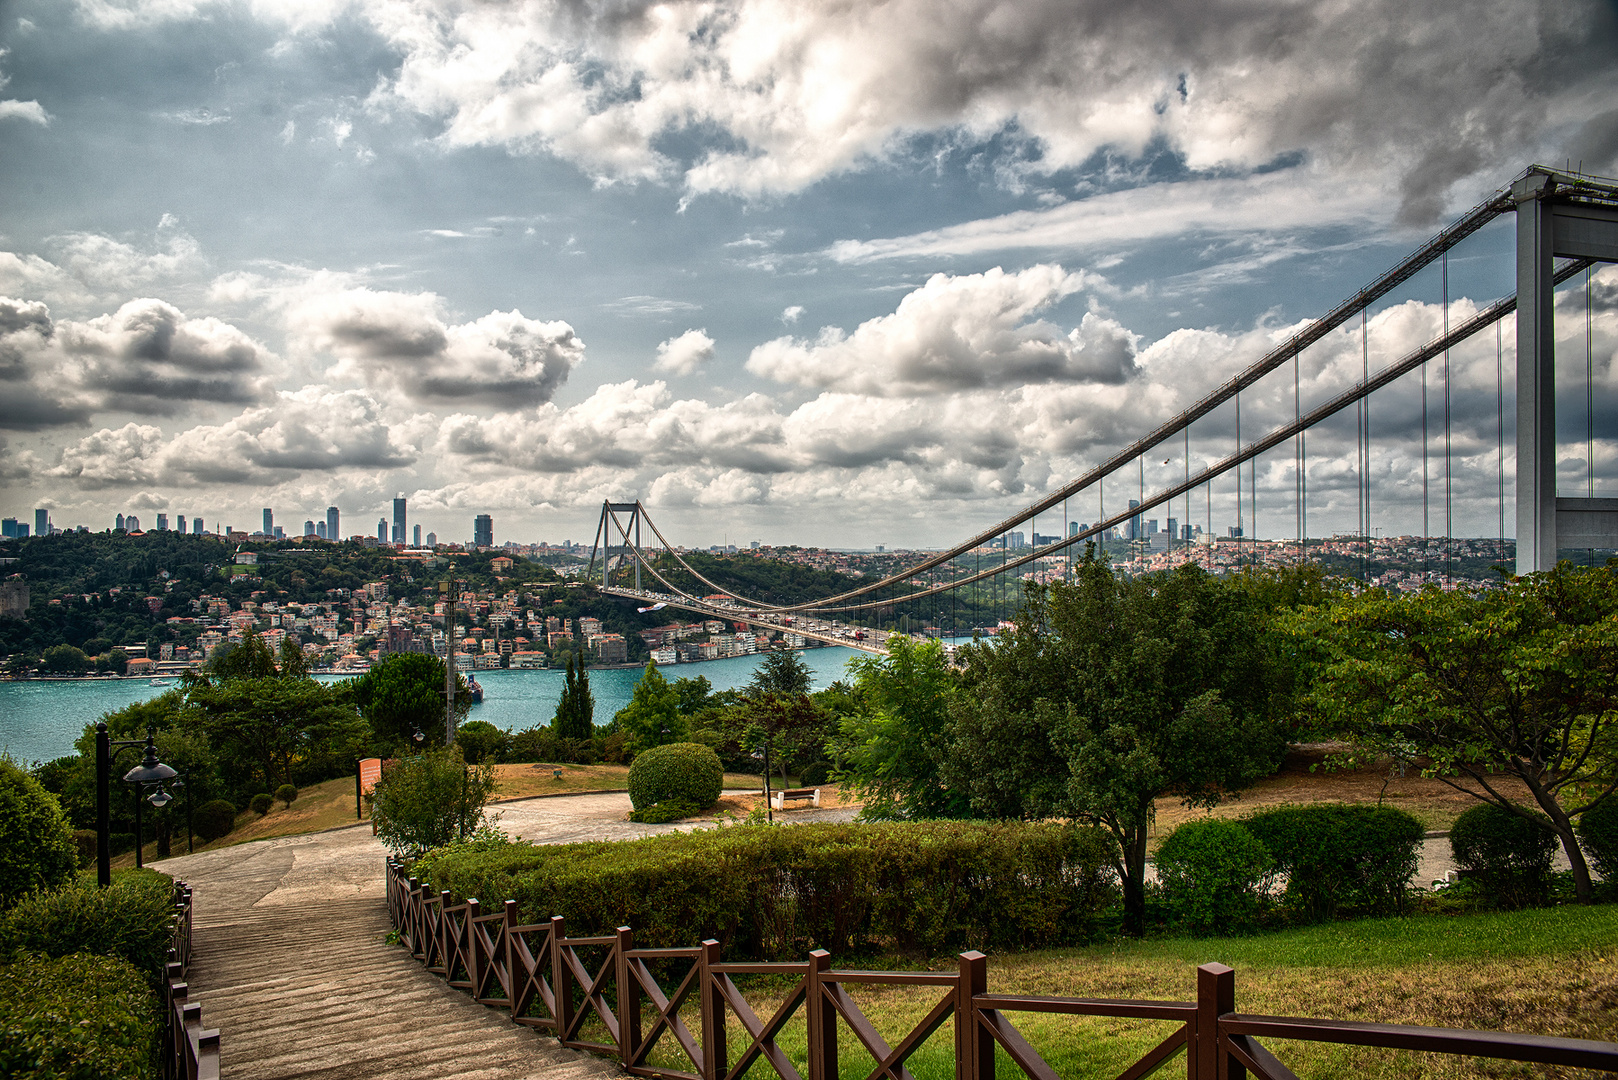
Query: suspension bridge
{"x": 1566, "y": 223}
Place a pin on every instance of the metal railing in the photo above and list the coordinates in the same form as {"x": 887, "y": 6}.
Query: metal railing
{"x": 189, "y": 1051}
{"x": 536, "y": 972}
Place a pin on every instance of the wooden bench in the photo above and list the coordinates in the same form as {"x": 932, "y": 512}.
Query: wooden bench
{"x": 778, "y": 799}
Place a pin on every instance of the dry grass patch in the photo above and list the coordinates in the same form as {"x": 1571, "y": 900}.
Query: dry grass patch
{"x": 326, "y": 805}
{"x": 521, "y": 781}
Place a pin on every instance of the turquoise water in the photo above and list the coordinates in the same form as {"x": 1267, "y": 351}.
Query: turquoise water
{"x": 40, "y": 720}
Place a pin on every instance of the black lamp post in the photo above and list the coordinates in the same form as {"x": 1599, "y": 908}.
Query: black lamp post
{"x": 149, "y": 772}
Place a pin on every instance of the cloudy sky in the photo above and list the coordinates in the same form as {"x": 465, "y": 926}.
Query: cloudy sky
{"x": 809, "y": 271}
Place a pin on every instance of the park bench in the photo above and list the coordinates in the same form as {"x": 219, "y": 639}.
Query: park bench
{"x": 778, "y": 799}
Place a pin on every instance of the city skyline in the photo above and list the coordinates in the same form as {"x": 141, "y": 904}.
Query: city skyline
{"x": 796, "y": 272}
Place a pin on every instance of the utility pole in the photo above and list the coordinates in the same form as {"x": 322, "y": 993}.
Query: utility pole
{"x": 449, "y": 662}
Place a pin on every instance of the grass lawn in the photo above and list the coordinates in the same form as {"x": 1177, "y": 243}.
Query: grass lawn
{"x": 1548, "y": 971}
{"x": 326, "y": 805}
{"x": 517, "y": 781}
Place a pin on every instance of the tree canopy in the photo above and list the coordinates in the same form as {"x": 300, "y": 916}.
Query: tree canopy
{"x": 1475, "y": 685}
{"x": 402, "y": 697}
{"x": 653, "y": 716}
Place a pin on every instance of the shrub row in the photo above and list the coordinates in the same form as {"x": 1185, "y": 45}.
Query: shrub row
{"x": 1217, "y": 876}
{"x": 776, "y": 892}
{"x": 130, "y": 920}
{"x": 76, "y": 1017}
{"x": 480, "y": 740}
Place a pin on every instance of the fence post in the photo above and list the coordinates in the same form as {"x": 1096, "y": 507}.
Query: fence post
{"x": 628, "y": 1000}
{"x": 1216, "y": 996}
{"x": 715, "y": 1061}
{"x": 414, "y": 899}
{"x": 561, "y": 979}
{"x": 445, "y": 956}
{"x": 974, "y": 1054}
{"x": 822, "y": 1021}
{"x": 474, "y": 964}
{"x": 508, "y": 940}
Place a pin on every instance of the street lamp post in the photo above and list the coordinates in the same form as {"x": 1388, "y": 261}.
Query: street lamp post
{"x": 149, "y": 772}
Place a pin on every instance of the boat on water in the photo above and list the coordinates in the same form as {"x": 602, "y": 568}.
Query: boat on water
{"x": 161, "y": 682}
{"x": 477, "y": 692}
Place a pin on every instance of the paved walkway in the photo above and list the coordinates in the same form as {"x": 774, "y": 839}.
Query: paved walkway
{"x": 292, "y": 966}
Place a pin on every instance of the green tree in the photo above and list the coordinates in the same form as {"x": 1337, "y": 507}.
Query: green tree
{"x": 429, "y": 799}
{"x": 782, "y": 671}
{"x": 36, "y": 842}
{"x": 402, "y": 698}
{"x": 1470, "y": 685}
{"x": 896, "y": 740}
{"x": 293, "y": 664}
{"x": 652, "y": 717}
{"x": 575, "y": 712}
{"x": 251, "y": 659}
{"x": 266, "y": 731}
{"x": 65, "y": 660}
{"x": 695, "y": 694}
{"x": 1158, "y": 685}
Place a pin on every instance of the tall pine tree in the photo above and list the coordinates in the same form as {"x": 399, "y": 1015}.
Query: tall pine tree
{"x": 575, "y": 712}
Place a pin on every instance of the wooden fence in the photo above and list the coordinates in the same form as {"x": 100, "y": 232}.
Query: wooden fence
{"x": 189, "y": 1051}
{"x": 536, "y": 972}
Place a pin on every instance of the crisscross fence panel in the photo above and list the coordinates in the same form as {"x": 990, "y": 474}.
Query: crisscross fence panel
{"x": 545, "y": 980}
{"x": 189, "y": 1051}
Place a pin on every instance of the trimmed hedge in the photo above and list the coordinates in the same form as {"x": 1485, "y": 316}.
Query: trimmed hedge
{"x": 1510, "y": 853}
{"x": 1214, "y": 875}
{"x": 815, "y": 774}
{"x": 261, "y": 804}
{"x": 1338, "y": 856}
{"x": 76, "y": 1017}
{"x": 927, "y": 887}
{"x": 664, "y": 812}
{"x": 130, "y": 919}
{"x": 287, "y": 793}
{"x": 684, "y": 772}
{"x": 1598, "y": 835}
{"x": 214, "y": 820}
{"x": 36, "y": 842}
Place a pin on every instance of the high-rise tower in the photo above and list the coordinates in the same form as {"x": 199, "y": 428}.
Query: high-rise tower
{"x": 399, "y": 518}
{"x": 332, "y": 531}
{"x": 483, "y": 531}
{"x": 269, "y": 522}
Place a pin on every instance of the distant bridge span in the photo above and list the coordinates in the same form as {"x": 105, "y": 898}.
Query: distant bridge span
{"x": 875, "y": 641}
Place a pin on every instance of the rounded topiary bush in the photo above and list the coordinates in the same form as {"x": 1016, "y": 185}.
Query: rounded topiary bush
{"x": 261, "y": 804}
{"x": 480, "y": 740}
{"x": 36, "y": 842}
{"x": 685, "y": 772}
{"x": 214, "y": 819}
{"x": 1509, "y": 852}
{"x": 815, "y": 774}
{"x": 287, "y": 793}
{"x": 1214, "y": 875}
{"x": 1598, "y": 835}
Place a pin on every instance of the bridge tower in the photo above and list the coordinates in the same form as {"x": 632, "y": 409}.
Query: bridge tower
{"x": 1557, "y": 217}
{"x": 613, "y": 538}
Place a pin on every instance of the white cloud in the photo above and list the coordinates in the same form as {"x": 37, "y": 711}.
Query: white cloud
{"x": 955, "y": 333}
{"x": 683, "y": 355}
{"x": 118, "y": 267}
{"x": 31, "y": 111}
{"x": 288, "y": 133}
{"x": 791, "y": 315}
{"x": 402, "y": 339}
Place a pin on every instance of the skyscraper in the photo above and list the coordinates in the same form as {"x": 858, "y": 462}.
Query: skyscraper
{"x": 320, "y": 530}
{"x": 197, "y": 528}
{"x": 120, "y": 525}
{"x": 1134, "y": 532}
{"x": 432, "y": 540}
{"x": 162, "y": 523}
{"x": 8, "y": 527}
{"x": 309, "y": 528}
{"x": 332, "y": 531}
{"x": 483, "y": 531}
{"x": 269, "y": 522}
{"x": 416, "y": 540}
{"x": 42, "y": 522}
{"x": 399, "y": 518}
{"x": 382, "y": 535}
{"x": 180, "y": 524}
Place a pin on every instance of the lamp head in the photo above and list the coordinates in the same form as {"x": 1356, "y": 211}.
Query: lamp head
{"x": 159, "y": 798}
{"x": 150, "y": 770}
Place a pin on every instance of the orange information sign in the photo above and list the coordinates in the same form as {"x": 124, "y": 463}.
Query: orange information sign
{"x": 370, "y": 772}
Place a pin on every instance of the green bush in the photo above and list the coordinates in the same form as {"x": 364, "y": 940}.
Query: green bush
{"x": 429, "y": 799}
{"x": 36, "y": 841}
{"x": 76, "y": 1017}
{"x": 1338, "y": 856}
{"x": 665, "y": 811}
{"x": 1510, "y": 853}
{"x": 1598, "y": 835}
{"x": 480, "y": 740}
{"x": 287, "y": 793}
{"x": 684, "y": 772}
{"x": 84, "y": 842}
{"x": 214, "y": 820}
{"x": 917, "y": 887}
{"x": 261, "y": 804}
{"x": 131, "y": 919}
{"x": 1214, "y": 875}
{"x": 815, "y": 774}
